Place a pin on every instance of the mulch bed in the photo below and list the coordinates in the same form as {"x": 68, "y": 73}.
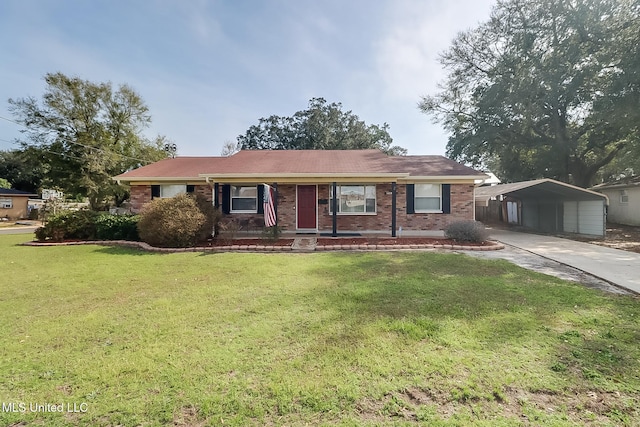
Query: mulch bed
{"x": 246, "y": 242}
{"x": 324, "y": 241}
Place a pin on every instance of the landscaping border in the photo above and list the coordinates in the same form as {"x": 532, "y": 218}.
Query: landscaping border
{"x": 270, "y": 248}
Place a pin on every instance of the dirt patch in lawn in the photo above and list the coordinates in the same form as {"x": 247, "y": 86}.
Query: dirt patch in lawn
{"x": 592, "y": 407}
{"x": 618, "y": 236}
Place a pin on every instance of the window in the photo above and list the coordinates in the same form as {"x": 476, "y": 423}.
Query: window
{"x": 6, "y": 203}
{"x": 624, "y": 197}
{"x": 244, "y": 198}
{"x": 428, "y": 198}
{"x": 355, "y": 199}
{"x": 172, "y": 190}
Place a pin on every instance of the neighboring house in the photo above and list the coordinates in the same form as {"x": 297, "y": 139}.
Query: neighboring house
{"x": 624, "y": 200}
{"x": 544, "y": 205}
{"x": 375, "y": 192}
{"x": 13, "y": 203}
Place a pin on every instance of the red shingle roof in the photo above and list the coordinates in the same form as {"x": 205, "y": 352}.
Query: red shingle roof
{"x": 293, "y": 162}
{"x": 304, "y": 161}
{"x": 179, "y": 167}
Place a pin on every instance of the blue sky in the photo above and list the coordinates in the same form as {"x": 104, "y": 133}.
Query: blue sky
{"x": 210, "y": 69}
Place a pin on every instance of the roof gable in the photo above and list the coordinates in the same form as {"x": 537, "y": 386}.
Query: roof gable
{"x": 545, "y": 188}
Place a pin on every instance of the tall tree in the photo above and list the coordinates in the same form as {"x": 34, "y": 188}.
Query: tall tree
{"x": 545, "y": 88}
{"x": 322, "y": 126}
{"x": 86, "y": 133}
{"x": 24, "y": 169}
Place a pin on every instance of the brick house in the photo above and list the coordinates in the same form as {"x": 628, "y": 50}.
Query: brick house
{"x": 376, "y": 193}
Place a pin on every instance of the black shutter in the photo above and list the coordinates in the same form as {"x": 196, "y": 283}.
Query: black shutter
{"x": 410, "y": 199}
{"x": 226, "y": 199}
{"x": 191, "y": 188}
{"x": 155, "y": 191}
{"x": 260, "y": 198}
{"x": 446, "y": 198}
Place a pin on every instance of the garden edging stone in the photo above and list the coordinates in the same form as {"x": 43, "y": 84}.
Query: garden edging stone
{"x": 269, "y": 248}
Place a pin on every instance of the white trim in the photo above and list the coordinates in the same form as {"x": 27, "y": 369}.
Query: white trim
{"x": 165, "y": 187}
{"x": 316, "y": 205}
{"x": 624, "y": 194}
{"x": 423, "y": 211}
{"x": 245, "y": 211}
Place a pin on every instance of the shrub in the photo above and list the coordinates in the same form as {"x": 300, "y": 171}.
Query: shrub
{"x": 69, "y": 225}
{"x": 174, "y": 222}
{"x": 212, "y": 218}
{"x": 117, "y": 227}
{"x": 227, "y": 230}
{"x": 271, "y": 234}
{"x": 34, "y": 214}
{"x": 466, "y": 231}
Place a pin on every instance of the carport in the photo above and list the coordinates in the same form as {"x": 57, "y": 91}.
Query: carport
{"x": 544, "y": 205}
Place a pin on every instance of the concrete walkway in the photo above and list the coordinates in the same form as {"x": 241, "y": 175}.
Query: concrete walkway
{"x": 619, "y": 267}
{"x": 304, "y": 244}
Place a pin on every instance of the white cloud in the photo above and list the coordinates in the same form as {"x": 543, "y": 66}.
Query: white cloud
{"x": 416, "y": 33}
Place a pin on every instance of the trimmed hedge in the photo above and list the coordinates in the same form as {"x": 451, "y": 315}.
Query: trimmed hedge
{"x": 117, "y": 227}
{"x": 88, "y": 225}
{"x": 69, "y": 225}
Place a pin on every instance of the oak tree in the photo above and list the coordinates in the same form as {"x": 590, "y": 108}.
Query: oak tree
{"x": 85, "y": 133}
{"x": 545, "y": 88}
{"x": 322, "y": 126}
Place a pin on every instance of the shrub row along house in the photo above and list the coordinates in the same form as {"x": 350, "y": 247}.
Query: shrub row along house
{"x": 374, "y": 192}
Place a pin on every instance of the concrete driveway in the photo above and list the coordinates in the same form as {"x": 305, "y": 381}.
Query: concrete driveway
{"x": 619, "y": 267}
{"x": 18, "y": 230}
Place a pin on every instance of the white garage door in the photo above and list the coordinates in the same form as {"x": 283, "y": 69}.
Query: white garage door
{"x": 584, "y": 217}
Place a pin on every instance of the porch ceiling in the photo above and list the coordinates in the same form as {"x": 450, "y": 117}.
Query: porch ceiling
{"x": 301, "y": 178}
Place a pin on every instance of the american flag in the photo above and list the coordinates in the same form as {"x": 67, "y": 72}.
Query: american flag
{"x": 269, "y": 209}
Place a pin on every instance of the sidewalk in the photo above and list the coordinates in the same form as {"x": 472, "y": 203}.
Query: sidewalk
{"x": 619, "y": 267}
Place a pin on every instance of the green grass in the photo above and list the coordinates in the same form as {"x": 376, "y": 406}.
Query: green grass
{"x": 308, "y": 339}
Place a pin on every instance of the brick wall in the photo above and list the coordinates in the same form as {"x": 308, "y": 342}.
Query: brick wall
{"x": 461, "y": 209}
{"x": 204, "y": 190}
{"x": 141, "y": 195}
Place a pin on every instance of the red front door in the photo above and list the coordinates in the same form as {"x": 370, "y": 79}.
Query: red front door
{"x": 307, "y": 207}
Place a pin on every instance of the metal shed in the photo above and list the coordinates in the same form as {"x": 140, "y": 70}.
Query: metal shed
{"x": 544, "y": 205}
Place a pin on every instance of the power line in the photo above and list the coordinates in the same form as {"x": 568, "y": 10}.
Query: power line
{"x": 12, "y": 121}
{"x": 82, "y": 145}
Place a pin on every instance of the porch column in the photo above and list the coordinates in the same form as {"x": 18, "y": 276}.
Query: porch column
{"x": 334, "y": 206}
{"x": 393, "y": 209}
{"x": 216, "y": 205}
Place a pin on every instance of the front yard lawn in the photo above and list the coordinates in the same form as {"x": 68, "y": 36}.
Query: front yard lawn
{"x": 129, "y": 338}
